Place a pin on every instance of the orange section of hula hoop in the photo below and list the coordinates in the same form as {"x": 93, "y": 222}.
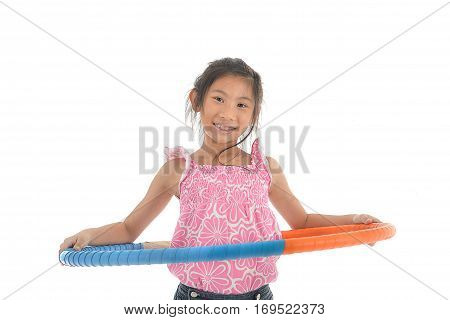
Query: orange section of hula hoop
{"x": 322, "y": 238}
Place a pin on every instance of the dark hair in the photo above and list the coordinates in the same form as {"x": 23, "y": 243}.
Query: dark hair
{"x": 215, "y": 70}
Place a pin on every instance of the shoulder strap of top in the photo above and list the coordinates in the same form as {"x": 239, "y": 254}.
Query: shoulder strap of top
{"x": 175, "y": 152}
{"x": 259, "y": 157}
{"x": 178, "y": 152}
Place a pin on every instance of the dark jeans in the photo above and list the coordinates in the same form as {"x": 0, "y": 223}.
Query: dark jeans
{"x": 185, "y": 292}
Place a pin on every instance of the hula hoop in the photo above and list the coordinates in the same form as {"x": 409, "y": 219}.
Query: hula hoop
{"x": 293, "y": 241}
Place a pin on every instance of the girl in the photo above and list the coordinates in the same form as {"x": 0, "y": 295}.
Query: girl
{"x": 223, "y": 193}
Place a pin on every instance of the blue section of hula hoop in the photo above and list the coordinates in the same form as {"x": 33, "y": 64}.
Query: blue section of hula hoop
{"x": 134, "y": 254}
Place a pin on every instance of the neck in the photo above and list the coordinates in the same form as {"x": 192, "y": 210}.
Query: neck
{"x": 211, "y": 149}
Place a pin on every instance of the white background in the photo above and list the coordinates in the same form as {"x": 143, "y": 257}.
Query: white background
{"x": 377, "y": 142}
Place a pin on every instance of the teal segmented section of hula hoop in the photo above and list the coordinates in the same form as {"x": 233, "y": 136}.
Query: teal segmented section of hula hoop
{"x": 134, "y": 254}
{"x": 115, "y": 247}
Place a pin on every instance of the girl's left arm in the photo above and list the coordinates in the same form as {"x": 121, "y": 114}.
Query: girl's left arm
{"x": 292, "y": 211}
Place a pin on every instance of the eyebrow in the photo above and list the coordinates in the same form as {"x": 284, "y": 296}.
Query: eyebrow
{"x": 224, "y": 93}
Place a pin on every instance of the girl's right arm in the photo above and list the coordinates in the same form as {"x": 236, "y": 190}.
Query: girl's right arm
{"x": 163, "y": 186}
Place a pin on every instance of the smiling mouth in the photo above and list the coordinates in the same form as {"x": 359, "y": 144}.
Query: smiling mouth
{"x": 224, "y": 128}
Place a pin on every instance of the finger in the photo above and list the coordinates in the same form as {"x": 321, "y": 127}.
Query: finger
{"x": 63, "y": 246}
{"x": 77, "y": 246}
{"x": 357, "y": 219}
{"x": 374, "y": 219}
{"x": 80, "y": 244}
{"x": 66, "y": 244}
{"x": 363, "y": 218}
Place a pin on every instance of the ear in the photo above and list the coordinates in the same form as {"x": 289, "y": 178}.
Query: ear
{"x": 192, "y": 97}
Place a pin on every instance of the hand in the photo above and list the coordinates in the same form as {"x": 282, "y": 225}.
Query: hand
{"x": 156, "y": 244}
{"x": 78, "y": 241}
{"x": 366, "y": 219}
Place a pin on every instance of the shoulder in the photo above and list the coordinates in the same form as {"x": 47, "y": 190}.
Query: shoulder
{"x": 274, "y": 166}
{"x": 174, "y": 167}
{"x": 276, "y": 171}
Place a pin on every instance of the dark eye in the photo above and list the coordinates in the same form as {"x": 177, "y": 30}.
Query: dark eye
{"x": 217, "y": 98}
{"x": 245, "y": 106}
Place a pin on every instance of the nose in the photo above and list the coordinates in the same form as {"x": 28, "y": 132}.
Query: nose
{"x": 228, "y": 112}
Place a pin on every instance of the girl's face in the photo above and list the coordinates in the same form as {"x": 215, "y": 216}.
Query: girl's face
{"x": 227, "y": 109}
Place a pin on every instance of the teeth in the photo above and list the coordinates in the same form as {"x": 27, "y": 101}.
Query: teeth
{"x": 223, "y": 128}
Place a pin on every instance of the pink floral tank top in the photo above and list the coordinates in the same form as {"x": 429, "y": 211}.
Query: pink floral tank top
{"x": 225, "y": 205}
